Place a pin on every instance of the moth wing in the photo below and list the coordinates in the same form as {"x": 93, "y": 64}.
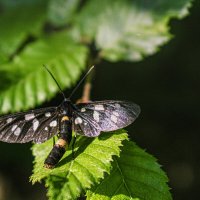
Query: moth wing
{"x": 103, "y": 116}
{"x": 84, "y": 124}
{"x": 36, "y": 125}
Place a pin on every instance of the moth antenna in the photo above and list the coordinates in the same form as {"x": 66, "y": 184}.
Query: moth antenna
{"x": 55, "y": 81}
{"x": 77, "y": 86}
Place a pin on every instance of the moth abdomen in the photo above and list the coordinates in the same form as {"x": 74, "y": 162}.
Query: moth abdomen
{"x": 56, "y": 154}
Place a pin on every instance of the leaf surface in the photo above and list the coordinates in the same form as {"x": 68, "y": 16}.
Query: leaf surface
{"x": 135, "y": 174}
{"x": 128, "y": 30}
{"x": 28, "y": 84}
{"x": 61, "y": 12}
{"x": 71, "y": 177}
{"x": 18, "y": 21}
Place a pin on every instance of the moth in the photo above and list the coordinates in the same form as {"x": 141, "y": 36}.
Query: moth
{"x": 87, "y": 119}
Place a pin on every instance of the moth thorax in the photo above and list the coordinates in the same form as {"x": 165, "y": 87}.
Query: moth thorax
{"x": 66, "y": 108}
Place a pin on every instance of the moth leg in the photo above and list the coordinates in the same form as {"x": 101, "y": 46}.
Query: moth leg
{"x": 54, "y": 141}
{"x": 64, "y": 139}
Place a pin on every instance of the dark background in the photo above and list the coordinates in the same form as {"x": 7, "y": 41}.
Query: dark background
{"x": 166, "y": 86}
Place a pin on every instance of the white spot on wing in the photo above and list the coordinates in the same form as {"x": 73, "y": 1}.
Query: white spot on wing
{"x": 48, "y": 114}
{"x": 29, "y": 116}
{"x": 53, "y": 123}
{"x": 9, "y": 120}
{"x": 46, "y": 128}
{"x": 14, "y": 127}
{"x": 78, "y": 120}
{"x": 96, "y": 116}
{"x": 116, "y": 113}
{"x": 117, "y": 105}
{"x": 17, "y": 131}
{"x": 98, "y": 107}
{"x": 35, "y": 124}
{"x": 114, "y": 118}
{"x": 83, "y": 109}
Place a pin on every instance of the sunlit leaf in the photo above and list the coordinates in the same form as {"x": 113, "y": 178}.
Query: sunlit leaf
{"x": 29, "y": 84}
{"x": 135, "y": 174}
{"x": 128, "y": 30}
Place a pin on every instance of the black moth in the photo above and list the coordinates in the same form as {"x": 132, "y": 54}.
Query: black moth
{"x": 88, "y": 119}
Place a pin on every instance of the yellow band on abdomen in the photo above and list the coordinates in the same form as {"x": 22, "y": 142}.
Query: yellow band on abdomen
{"x": 61, "y": 143}
{"x": 65, "y": 118}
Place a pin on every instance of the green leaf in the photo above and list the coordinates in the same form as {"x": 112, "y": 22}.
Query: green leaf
{"x": 135, "y": 174}
{"x": 128, "y": 30}
{"x": 62, "y": 12}
{"x": 17, "y": 22}
{"x": 71, "y": 177}
{"x": 28, "y": 83}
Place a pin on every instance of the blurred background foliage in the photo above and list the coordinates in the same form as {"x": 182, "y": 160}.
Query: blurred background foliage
{"x": 68, "y": 36}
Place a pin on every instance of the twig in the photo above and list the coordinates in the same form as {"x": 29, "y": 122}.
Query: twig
{"x": 86, "y": 93}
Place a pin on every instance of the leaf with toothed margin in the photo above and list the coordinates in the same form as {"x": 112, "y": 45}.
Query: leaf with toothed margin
{"x": 70, "y": 178}
{"x": 128, "y": 30}
{"x": 135, "y": 174}
{"x": 26, "y": 83}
